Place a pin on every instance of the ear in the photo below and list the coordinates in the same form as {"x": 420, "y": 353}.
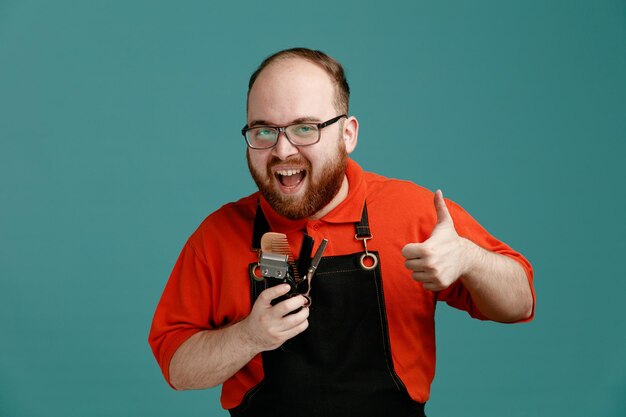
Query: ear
{"x": 350, "y": 133}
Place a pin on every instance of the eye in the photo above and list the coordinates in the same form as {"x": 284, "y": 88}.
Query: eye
{"x": 305, "y": 130}
{"x": 264, "y": 133}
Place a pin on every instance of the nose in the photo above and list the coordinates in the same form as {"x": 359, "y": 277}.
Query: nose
{"x": 284, "y": 149}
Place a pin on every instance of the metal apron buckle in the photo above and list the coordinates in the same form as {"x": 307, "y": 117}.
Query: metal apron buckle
{"x": 367, "y": 255}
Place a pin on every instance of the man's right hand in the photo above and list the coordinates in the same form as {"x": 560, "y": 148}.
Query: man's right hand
{"x": 210, "y": 357}
{"x": 269, "y": 326}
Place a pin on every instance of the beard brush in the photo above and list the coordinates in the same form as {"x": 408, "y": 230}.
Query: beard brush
{"x": 277, "y": 243}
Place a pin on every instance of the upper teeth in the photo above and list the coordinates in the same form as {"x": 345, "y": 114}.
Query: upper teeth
{"x": 288, "y": 172}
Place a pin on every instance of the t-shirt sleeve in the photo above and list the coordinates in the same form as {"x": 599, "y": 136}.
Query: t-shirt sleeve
{"x": 183, "y": 308}
{"x": 457, "y": 295}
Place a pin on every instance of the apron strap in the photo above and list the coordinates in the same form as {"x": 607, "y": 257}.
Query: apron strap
{"x": 261, "y": 226}
{"x": 368, "y": 260}
{"x": 362, "y": 226}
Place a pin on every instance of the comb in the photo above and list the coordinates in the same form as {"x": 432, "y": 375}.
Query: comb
{"x": 277, "y": 243}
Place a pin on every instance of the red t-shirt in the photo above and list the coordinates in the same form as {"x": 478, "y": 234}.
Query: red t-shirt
{"x": 209, "y": 287}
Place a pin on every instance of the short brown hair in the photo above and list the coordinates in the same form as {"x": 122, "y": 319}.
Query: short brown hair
{"x": 328, "y": 64}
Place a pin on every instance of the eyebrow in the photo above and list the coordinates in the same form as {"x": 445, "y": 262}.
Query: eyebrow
{"x": 306, "y": 119}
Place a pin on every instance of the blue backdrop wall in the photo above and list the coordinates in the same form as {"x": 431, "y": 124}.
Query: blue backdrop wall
{"x": 119, "y": 133}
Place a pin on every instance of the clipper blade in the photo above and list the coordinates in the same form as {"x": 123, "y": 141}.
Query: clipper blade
{"x": 277, "y": 243}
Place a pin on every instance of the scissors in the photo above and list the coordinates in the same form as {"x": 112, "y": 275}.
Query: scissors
{"x": 311, "y": 271}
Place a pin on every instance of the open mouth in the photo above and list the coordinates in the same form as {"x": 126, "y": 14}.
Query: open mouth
{"x": 290, "y": 179}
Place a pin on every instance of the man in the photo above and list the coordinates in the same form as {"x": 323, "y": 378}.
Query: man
{"x": 362, "y": 341}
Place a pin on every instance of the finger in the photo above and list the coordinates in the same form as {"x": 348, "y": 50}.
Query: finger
{"x": 443, "y": 215}
{"x": 423, "y": 276}
{"x": 289, "y": 305}
{"x": 430, "y": 286}
{"x": 271, "y": 293}
{"x": 416, "y": 265}
{"x": 294, "y": 331}
{"x": 292, "y": 320}
{"x": 413, "y": 251}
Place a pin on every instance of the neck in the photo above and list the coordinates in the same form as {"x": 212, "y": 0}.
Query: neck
{"x": 337, "y": 199}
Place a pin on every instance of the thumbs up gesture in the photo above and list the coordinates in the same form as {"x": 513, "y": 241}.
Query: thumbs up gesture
{"x": 438, "y": 261}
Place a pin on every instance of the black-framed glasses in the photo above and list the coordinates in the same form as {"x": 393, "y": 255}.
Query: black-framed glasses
{"x": 298, "y": 134}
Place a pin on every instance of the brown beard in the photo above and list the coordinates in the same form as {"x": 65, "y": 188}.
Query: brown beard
{"x": 319, "y": 193}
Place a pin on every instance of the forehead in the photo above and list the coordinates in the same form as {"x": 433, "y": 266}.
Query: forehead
{"x": 289, "y": 89}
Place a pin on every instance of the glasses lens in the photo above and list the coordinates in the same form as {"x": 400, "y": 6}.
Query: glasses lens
{"x": 303, "y": 134}
{"x": 262, "y": 137}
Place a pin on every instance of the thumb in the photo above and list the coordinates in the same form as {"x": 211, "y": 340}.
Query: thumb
{"x": 443, "y": 215}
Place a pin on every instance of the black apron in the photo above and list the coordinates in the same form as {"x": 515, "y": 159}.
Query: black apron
{"x": 341, "y": 365}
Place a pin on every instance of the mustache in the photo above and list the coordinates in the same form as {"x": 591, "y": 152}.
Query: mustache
{"x": 294, "y": 159}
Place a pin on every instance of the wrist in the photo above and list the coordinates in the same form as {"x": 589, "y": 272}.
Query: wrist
{"x": 469, "y": 255}
{"x": 246, "y": 337}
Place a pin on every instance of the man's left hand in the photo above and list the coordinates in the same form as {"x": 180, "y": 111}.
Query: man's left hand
{"x": 440, "y": 260}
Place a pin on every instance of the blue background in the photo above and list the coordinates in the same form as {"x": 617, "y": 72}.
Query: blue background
{"x": 119, "y": 130}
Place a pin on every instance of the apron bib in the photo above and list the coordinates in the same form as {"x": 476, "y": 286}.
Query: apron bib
{"x": 341, "y": 364}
